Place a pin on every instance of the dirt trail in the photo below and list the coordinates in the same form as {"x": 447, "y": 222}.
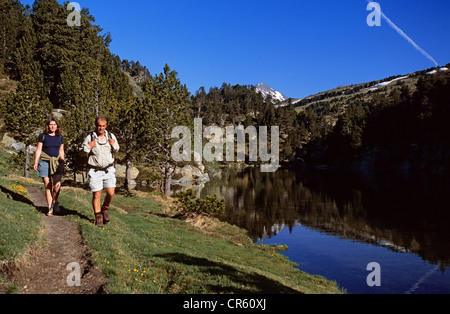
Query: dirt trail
{"x": 47, "y": 273}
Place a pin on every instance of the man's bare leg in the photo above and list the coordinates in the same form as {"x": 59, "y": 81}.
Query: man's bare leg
{"x": 107, "y": 203}
{"x": 96, "y": 200}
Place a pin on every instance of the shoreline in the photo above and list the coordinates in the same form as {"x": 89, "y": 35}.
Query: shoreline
{"x": 146, "y": 251}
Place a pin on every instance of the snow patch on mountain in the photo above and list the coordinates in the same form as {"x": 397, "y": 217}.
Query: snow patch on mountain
{"x": 436, "y": 71}
{"x": 383, "y": 84}
{"x": 266, "y": 90}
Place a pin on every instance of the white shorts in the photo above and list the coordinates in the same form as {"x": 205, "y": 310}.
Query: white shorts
{"x": 99, "y": 180}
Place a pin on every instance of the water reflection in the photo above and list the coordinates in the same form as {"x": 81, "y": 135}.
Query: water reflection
{"x": 402, "y": 214}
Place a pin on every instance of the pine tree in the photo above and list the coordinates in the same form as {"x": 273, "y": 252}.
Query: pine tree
{"x": 54, "y": 43}
{"x": 167, "y": 102}
{"x": 25, "y": 113}
{"x": 26, "y": 60}
{"x": 200, "y": 103}
{"x": 11, "y": 25}
{"x": 128, "y": 126}
{"x": 91, "y": 82}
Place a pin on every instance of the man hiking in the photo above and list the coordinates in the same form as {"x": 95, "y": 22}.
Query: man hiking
{"x": 101, "y": 146}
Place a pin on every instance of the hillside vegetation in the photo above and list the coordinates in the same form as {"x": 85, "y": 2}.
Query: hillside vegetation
{"x": 399, "y": 127}
{"x": 51, "y": 65}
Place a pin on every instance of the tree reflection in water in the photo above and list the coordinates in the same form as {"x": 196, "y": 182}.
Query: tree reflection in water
{"x": 402, "y": 214}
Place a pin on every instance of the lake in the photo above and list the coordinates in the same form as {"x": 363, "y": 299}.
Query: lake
{"x": 336, "y": 224}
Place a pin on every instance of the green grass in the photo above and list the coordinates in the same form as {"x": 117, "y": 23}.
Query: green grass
{"x": 20, "y": 228}
{"x": 143, "y": 251}
{"x": 20, "y": 222}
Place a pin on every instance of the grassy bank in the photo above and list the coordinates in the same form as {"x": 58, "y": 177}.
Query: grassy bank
{"x": 20, "y": 228}
{"x": 20, "y": 223}
{"x": 144, "y": 250}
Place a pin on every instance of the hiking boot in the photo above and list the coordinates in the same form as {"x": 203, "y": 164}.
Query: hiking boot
{"x": 56, "y": 207}
{"x": 99, "y": 220}
{"x": 50, "y": 211}
{"x": 105, "y": 213}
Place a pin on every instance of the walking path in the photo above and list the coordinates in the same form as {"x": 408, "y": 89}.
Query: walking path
{"x": 47, "y": 272}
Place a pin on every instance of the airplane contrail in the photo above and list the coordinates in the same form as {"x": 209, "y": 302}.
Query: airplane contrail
{"x": 402, "y": 33}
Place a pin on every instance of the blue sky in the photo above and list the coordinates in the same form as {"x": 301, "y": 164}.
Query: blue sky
{"x": 297, "y": 47}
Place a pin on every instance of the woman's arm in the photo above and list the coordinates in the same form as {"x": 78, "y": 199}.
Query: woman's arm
{"x": 37, "y": 156}
{"x": 62, "y": 155}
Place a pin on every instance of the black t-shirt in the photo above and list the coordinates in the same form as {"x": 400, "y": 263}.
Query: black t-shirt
{"x": 51, "y": 144}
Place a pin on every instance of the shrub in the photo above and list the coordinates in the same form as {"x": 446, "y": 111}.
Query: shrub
{"x": 211, "y": 205}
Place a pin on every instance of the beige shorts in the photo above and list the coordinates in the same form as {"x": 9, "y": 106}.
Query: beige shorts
{"x": 99, "y": 180}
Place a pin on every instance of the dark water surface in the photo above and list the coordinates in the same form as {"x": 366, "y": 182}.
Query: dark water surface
{"x": 335, "y": 224}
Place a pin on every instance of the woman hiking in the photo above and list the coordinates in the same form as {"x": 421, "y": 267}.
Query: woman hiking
{"x": 49, "y": 162}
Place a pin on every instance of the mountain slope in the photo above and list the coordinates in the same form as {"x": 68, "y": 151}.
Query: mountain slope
{"x": 398, "y": 125}
{"x": 266, "y": 91}
{"x": 336, "y": 100}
